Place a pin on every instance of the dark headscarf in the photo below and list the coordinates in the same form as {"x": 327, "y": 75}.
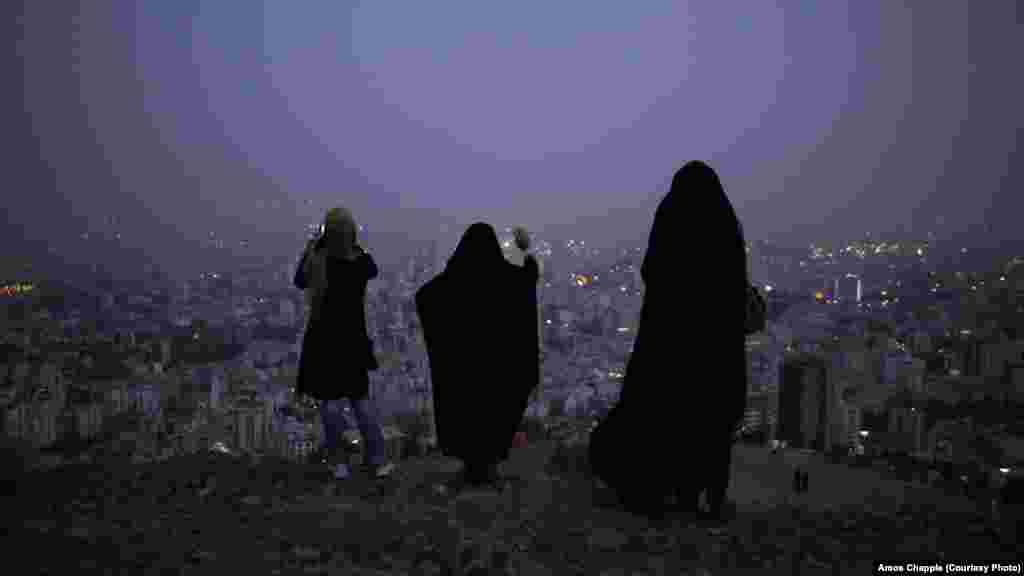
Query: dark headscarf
{"x": 478, "y": 250}
{"x": 696, "y": 198}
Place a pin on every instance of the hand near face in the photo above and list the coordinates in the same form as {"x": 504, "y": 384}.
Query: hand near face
{"x": 522, "y": 238}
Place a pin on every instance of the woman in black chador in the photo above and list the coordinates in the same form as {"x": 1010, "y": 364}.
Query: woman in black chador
{"x": 479, "y": 321}
{"x": 686, "y": 381}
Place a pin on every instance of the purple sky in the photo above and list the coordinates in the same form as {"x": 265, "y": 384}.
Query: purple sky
{"x": 824, "y": 119}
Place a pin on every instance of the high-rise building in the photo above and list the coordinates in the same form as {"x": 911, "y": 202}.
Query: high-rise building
{"x": 805, "y": 402}
{"x": 165, "y": 352}
{"x": 1013, "y": 381}
{"x": 289, "y": 312}
{"x": 848, "y": 288}
{"x": 764, "y": 363}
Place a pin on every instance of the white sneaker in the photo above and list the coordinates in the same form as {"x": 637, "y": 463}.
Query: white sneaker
{"x": 385, "y": 470}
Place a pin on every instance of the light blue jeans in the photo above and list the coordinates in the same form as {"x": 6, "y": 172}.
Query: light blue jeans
{"x": 366, "y": 419}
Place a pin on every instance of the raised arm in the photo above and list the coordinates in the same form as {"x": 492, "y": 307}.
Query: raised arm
{"x": 300, "y": 277}
{"x": 530, "y": 266}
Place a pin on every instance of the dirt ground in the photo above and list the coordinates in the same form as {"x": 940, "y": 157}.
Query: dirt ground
{"x": 204, "y": 515}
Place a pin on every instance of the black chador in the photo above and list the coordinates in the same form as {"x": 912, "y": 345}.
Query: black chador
{"x": 479, "y": 320}
{"x": 686, "y": 380}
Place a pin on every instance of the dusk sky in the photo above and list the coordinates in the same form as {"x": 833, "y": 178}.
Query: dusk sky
{"x": 824, "y": 119}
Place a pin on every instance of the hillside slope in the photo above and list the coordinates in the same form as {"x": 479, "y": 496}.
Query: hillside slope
{"x": 202, "y": 514}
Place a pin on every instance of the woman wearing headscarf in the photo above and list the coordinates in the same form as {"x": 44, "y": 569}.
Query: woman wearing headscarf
{"x": 686, "y": 381}
{"x": 479, "y": 320}
{"x": 336, "y": 350}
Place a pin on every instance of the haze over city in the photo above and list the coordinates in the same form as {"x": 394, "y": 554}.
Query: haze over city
{"x": 166, "y": 121}
{"x": 234, "y": 335}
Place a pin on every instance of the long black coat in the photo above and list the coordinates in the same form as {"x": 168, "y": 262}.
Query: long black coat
{"x": 480, "y": 328}
{"x": 686, "y": 380}
{"x": 336, "y": 350}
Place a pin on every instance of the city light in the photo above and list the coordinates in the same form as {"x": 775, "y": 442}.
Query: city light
{"x": 863, "y": 433}
{"x": 15, "y": 289}
{"x": 1004, "y": 470}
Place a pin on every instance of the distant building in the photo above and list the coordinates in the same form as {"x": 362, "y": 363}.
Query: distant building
{"x": 145, "y": 398}
{"x": 578, "y": 403}
{"x": 251, "y": 427}
{"x": 907, "y": 430}
{"x": 848, "y": 288}
{"x": 165, "y": 352}
{"x": 901, "y": 371}
{"x": 805, "y": 403}
{"x": 764, "y": 364}
{"x": 1014, "y": 382}
{"x": 762, "y": 414}
{"x": 40, "y": 398}
{"x": 88, "y": 419}
{"x": 289, "y": 312}
{"x": 207, "y": 385}
{"x": 33, "y": 423}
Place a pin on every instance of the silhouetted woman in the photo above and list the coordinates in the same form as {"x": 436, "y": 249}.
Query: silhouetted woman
{"x": 686, "y": 381}
{"x": 479, "y": 321}
{"x": 336, "y": 350}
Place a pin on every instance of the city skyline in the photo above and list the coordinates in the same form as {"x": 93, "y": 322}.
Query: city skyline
{"x": 170, "y": 121}
{"x": 167, "y": 163}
